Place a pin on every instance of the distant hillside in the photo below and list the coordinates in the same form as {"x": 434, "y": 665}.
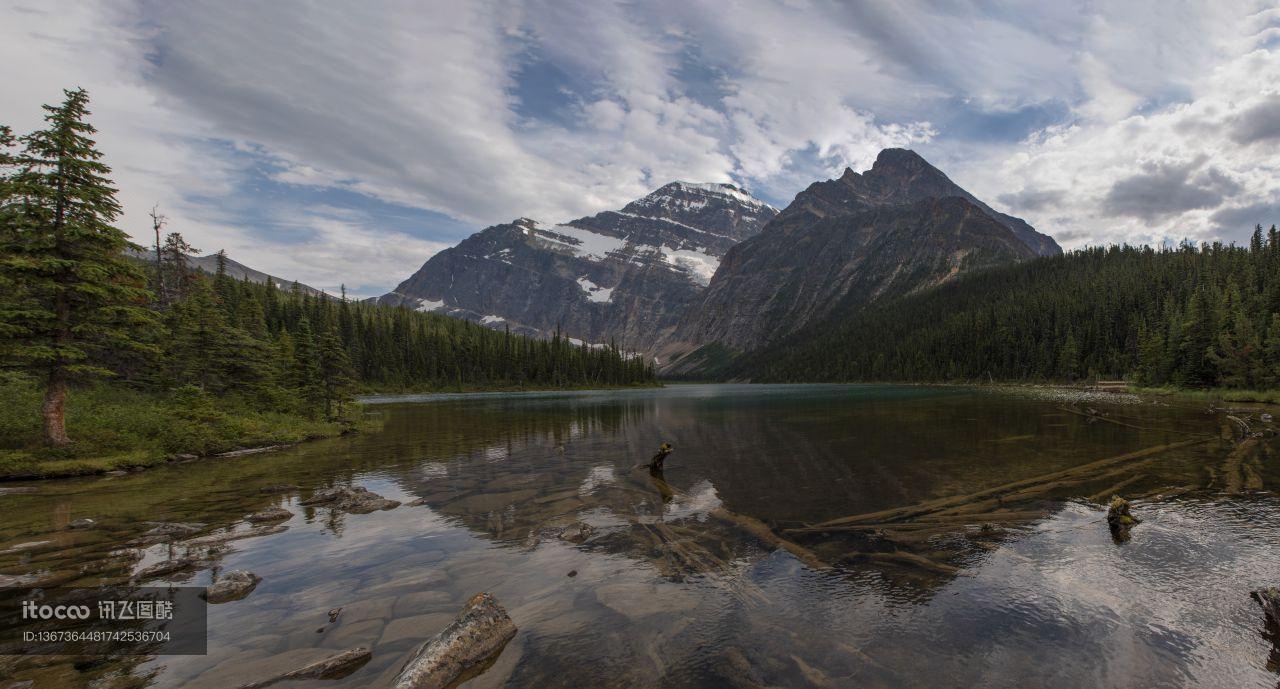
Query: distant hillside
{"x": 235, "y": 269}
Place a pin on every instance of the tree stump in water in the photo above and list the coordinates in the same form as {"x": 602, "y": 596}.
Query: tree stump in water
{"x": 1269, "y": 599}
{"x": 655, "y": 464}
{"x": 1120, "y": 519}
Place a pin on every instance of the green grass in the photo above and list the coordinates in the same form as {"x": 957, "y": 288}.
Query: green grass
{"x": 116, "y": 427}
{"x": 1214, "y": 394}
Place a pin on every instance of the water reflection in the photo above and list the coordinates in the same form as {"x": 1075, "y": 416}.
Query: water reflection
{"x": 969, "y": 538}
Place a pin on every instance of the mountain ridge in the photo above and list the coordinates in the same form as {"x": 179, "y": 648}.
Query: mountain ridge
{"x": 623, "y": 275}
{"x": 901, "y": 226}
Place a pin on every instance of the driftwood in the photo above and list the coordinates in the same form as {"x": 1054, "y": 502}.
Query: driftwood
{"x": 1238, "y": 471}
{"x": 1108, "y": 419}
{"x": 1115, "y": 489}
{"x": 462, "y": 650}
{"x": 1269, "y": 599}
{"x": 941, "y": 505}
{"x": 655, "y": 464}
{"x": 334, "y": 667}
{"x": 250, "y": 451}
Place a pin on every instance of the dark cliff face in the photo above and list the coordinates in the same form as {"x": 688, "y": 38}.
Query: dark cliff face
{"x": 901, "y": 226}
{"x": 624, "y": 276}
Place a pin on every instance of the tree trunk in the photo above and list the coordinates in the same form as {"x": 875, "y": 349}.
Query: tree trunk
{"x": 55, "y": 420}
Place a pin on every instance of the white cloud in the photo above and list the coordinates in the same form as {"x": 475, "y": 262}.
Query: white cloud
{"x": 419, "y": 106}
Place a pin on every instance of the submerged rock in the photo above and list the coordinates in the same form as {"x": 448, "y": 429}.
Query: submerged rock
{"x": 218, "y": 539}
{"x": 82, "y": 523}
{"x": 1120, "y": 519}
{"x": 233, "y": 585}
{"x": 335, "y": 666}
{"x": 577, "y": 533}
{"x": 161, "y": 532}
{"x": 355, "y": 499}
{"x": 164, "y": 567}
{"x": 461, "y": 650}
{"x": 271, "y": 514}
{"x": 278, "y": 488}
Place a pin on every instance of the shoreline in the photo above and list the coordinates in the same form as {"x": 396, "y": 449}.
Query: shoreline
{"x": 140, "y": 459}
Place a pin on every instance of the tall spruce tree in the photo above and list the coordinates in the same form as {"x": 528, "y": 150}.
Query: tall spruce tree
{"x": 78, "y": 297}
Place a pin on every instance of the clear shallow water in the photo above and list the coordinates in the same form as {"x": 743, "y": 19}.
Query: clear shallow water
{"x": 668, "y": 594}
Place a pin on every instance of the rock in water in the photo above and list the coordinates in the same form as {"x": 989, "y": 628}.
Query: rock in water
{"x": 334, "y": 667}
{"x": 477, "y": 635}
{"x": 1120, "y": 519}
{"x": 233, "y": 585}
{"x": 271, "y": 514}
{"x": 171, "y": 530}
{"x": 164, "y": 567}
{"x": 356, "y": 499}
{"x": 577, "y": 533}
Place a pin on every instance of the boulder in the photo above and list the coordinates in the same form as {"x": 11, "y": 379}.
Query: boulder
{"x": 232, "y": 586}
{"x": 462, "y": 649}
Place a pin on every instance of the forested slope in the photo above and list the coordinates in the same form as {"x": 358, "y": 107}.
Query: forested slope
{"x": 1191, "y": 316}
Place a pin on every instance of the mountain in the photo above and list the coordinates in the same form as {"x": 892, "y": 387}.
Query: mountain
{"x": 240, "y": 271}
{"x": 237, "y": 270}
{"x": 901, "y": 226}
{"x": 625, "y": 275}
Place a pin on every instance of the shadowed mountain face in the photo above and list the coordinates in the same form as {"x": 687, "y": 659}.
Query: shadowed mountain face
{"x": 625, "y": 275}
{"x": 899, "y": 227}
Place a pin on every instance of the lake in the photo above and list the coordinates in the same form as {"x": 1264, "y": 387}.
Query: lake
{"x": 805, "y": 535}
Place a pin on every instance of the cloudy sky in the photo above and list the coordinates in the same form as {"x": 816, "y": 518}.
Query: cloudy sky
{"x": 336, "y": 142}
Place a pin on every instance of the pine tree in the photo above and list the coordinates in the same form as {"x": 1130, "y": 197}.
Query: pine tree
{"x": 178, "y": 275}
{"x": 335, "y": 374}
{"x": 305, "y": 377}
{"x": 79, "y": 296}
{"x": 1069, "y": 358}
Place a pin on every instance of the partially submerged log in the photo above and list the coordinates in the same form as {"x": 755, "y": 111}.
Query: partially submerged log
{"x": 760, "y": 530}
{"x": 251, "y": 451}
{"x": 335, "y": 666}
{"x": 461, "y": 650}
{"x": 959, "y": 501}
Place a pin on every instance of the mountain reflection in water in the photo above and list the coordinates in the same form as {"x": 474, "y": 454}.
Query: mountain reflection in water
{"x": 967, "y": 548}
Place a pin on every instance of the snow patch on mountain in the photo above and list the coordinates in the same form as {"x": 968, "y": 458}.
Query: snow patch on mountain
{"x": 700, "y": 266}
{"x": 429, "y": 305}
{"x": 595, "y": 292}
{"x": 583, "y": 243}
